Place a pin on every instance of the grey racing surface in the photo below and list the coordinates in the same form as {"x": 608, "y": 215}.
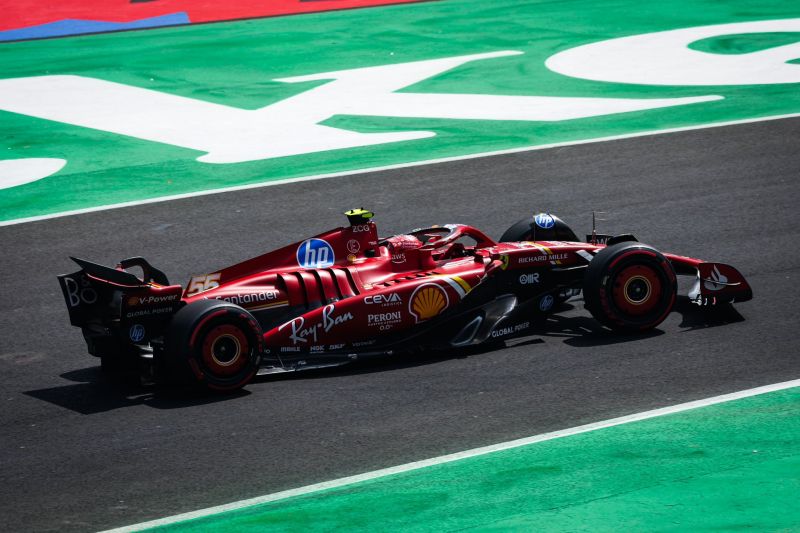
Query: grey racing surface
{"x": 83, "y": 452}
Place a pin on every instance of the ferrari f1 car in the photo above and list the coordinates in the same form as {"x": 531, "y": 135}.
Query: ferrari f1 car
{"x": 348, "y": 293}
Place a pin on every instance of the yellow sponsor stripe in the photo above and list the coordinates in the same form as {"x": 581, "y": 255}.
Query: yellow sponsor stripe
{"x": 454, "y": 284}
{"x": 463, "y": 283}
{"x": 267, "y": 306}
{"x": 547, "y": 251}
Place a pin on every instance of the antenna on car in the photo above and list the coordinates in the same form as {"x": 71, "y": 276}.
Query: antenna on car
{"x": 593, "y": 240}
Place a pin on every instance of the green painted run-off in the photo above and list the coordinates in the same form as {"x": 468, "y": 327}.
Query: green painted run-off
{"x": 236, "y": 63}
{"x": 730, "y": 466}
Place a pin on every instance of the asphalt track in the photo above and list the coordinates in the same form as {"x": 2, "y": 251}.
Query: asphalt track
{"x": 83, "y": 453}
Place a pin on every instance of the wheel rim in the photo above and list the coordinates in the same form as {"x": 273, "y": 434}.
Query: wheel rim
{"x": 637, "y": 290}
{"x": 225, "y": 350}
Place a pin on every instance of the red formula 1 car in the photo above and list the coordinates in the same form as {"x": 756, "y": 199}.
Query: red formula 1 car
{"x": 347, "y": 294}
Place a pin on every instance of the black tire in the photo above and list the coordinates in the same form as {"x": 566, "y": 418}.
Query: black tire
{"x": 214, "y": 345}
{"x": 630, "y": 287}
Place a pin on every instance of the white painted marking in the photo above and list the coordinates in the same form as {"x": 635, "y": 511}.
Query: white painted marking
{"x": 15, "y": 172}
{"x": 454, "y": 284}
{"x": 663, "y": 58}
{"x": 293, "y": 126}
{"x": 342, "y": 482}
{"x": 388, "y": 167}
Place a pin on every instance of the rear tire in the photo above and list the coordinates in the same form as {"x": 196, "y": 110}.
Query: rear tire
{"x": 630, "y": 287}
{"x": 214, "y": 345}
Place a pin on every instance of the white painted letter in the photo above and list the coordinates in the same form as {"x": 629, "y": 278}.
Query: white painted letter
{"x": 663, "y": 58}
{"x": 292, "y": 126}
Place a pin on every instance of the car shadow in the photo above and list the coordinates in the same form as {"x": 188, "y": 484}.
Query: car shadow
{"x": 572, "y": 323}
{"x": 94, "y": 391}
{"x": 384, "y": 363}
{"x": 697, "y": 317}
{"x": 583, "y": 331}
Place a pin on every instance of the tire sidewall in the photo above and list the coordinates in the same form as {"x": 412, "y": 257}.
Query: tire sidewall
{"x": 620, "y": 263}
{"x": 188, "y": 340}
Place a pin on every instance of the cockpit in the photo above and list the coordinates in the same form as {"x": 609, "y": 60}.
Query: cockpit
{"x": 442, "y": 242}
{"x": 424, "y": 247}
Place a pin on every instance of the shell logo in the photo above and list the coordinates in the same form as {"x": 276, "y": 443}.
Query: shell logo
{"x": 428, "y": 301}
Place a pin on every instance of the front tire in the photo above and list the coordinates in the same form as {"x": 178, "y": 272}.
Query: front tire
{"x": 213, "y": 344}
{"x": 630, "y": 287}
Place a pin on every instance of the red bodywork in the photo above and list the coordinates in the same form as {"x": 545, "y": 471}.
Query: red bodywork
{"x": 366, "y": 287}
{"x": 347, "y": 293}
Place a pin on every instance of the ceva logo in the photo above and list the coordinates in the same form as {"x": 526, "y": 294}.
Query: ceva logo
{"x": 294, "y": 126}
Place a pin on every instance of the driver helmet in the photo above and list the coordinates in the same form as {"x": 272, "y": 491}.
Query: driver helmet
{"x": 399, "y": 243}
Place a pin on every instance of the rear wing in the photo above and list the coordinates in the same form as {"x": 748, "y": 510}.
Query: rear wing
{"x": 100, "y": 296}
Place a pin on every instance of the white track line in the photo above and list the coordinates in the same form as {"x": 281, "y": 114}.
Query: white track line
{"x": 459, "y": 455}
{"x": 390, "y": 167}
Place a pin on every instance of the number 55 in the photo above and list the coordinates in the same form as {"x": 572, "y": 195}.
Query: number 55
{"x": 203, "y": 283}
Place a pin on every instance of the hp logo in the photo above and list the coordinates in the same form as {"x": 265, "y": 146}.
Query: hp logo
{"x": 544, "y": 221}
{"x": 136, "y": 332}
{"x": 315, "y": 253}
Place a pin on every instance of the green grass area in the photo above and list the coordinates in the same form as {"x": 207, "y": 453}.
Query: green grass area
{"x": 236, "y": 63}
{"x": 729, "y": 466}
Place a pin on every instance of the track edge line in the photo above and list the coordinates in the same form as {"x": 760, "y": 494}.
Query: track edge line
{"x": 209, "y": 192}
{"x": 475, "y": 452}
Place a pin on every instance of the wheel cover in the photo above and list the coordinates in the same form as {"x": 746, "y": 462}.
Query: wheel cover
{"x": 636, "y": 290}
{"x": 225, "y": 350}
